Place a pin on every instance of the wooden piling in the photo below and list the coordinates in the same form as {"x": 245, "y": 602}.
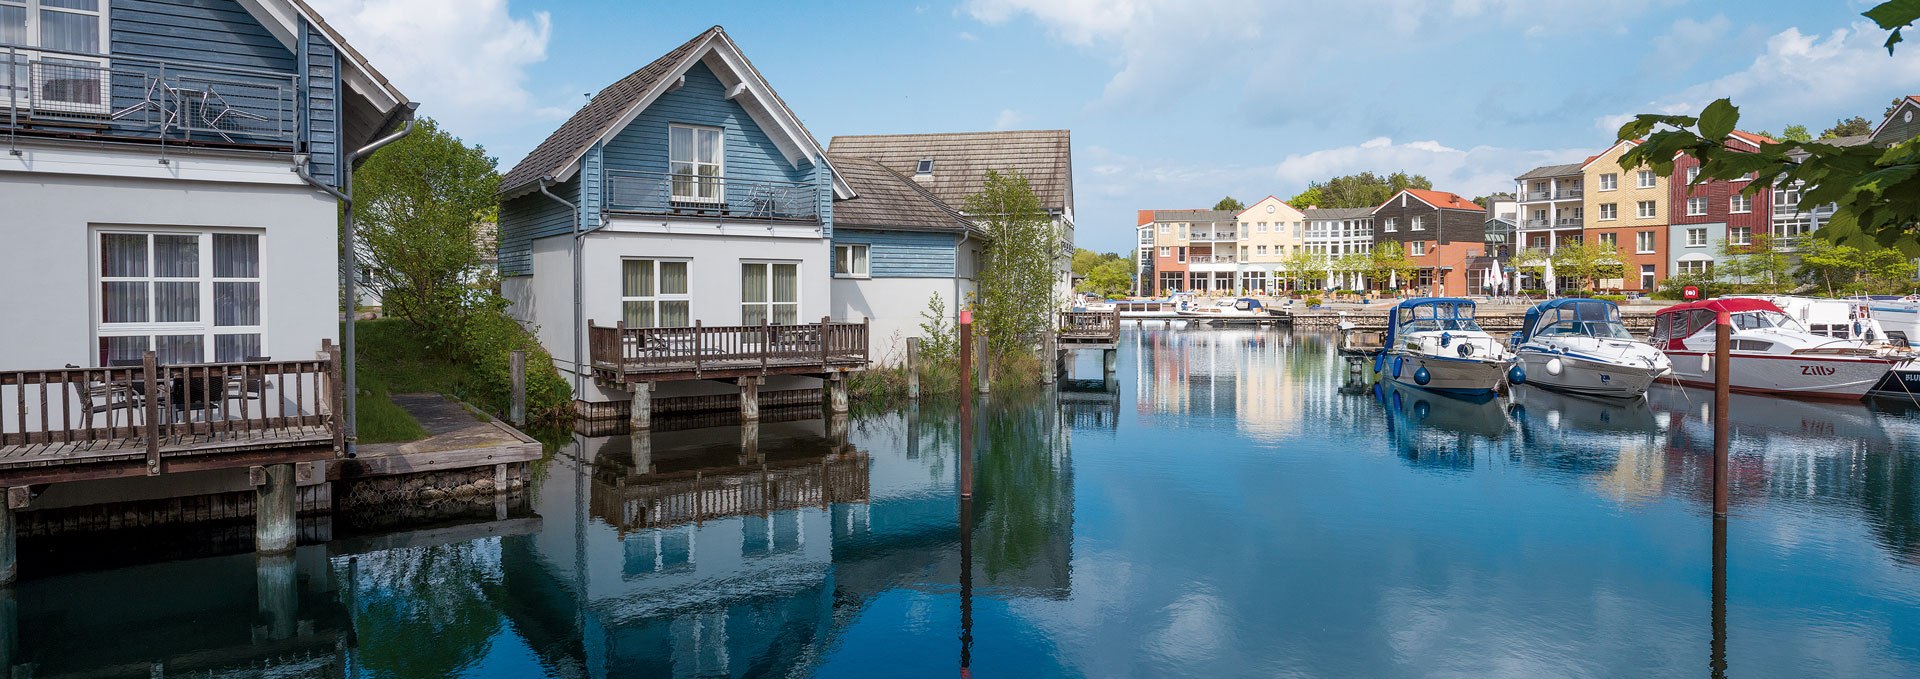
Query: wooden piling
{"x": 640, "y": 409}
{"x": 913, "y": 367}
{"x": 9, "y": 564}
{"x": 1722, "y": 388}
{"x": 966, "y": 404}
{"x": 837, "y": 394}
{"x": 273, "y": 510}
{"x": 518, "y": 363}
{"x": 749, "y": 399}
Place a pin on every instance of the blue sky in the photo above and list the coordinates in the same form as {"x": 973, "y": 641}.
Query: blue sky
{"x": 1174, "y": 103}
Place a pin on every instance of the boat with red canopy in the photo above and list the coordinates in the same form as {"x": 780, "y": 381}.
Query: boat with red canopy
{"x": 1771, "y": 352}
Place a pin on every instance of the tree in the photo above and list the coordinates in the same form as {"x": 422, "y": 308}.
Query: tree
{"x": 1354, "y": 262}
{"x": 1111, "y": 278}
{"x": 419, "y": 206}
{"x": 1877, "y": 191}
{"x": 1389, "y": 263}
{"x": 1229, "y": 203}
{"x": 1532, "y": 260}
{"x": 1850, "y": 127}
{"x": 1791, "y": 133}
{"x": 1358, "y": 190}
{"x": 1015, "y": 301}
{"x": 1299, "y": 265}
{"x": 1758, "y": 262}
{"x": 1587, "y": 262}
{"x": 1084, "y": 261}
{"x": 1843, "y": 269}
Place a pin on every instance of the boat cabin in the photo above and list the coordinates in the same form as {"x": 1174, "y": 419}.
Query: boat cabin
{"x": 1573, "y": 317}
{"x": 1430, "y": 314}
{"x": 1674, "y": 324}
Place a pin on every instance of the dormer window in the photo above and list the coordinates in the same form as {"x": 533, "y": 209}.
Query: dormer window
{"x": 924, "y": 169}
{"x": 694, "y": 158}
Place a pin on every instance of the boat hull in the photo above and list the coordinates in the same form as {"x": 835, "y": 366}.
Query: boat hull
{"x": 1586, "y": 376}
{"x": 1903, "y": 381}
{"x": 1456, "y": 376}
{"x": 1837, "y": 377}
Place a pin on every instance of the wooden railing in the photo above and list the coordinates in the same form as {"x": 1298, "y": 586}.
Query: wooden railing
{"x": 156, "y": 405}
{"x": 674, "y": 499}
{"x": 1090, "y": 325}
{"x": 731, "y": 348}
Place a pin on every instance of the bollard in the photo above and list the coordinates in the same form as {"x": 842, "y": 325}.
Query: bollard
{"x": 913, "y": 367}
{"x": 518, "y": 362}
{"x": 1722, "y": 387}
{"x": 966, "y": 404}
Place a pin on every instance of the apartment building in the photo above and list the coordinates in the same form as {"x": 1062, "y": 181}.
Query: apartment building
{"x": 1143, "y": 273}
{"x": 1334, "y": 233}
{"x": 1169, "y": 236}
{"x": 1703, "y": 217}
{"x": 1440, "y": 232}
{"x": 1627, "y": 209}
{"x": 1549, "y": 206}
{"x": 1270, "y": 231}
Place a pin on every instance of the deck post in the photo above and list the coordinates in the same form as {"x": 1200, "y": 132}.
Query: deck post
{"x": 1110, "y": 361}
{"x": 640, "y": 409}
{"x": 837, "y": 393}
{"x": 983, "y": 375}
{"x": 150, "y": 367}
{"x": 750, "y": 399}
{"x": 9, "y": 566}
{"x": 913, "y": 367}
{"x": 517, "y": 365}
{"x": 1050, "y": 354}
{"x": 277, "y": 595}
{"x": 273, "y": 511}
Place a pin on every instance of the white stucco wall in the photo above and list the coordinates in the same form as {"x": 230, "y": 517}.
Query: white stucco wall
{"x": 47, "y": 292}
{"x": 893, "y": 308}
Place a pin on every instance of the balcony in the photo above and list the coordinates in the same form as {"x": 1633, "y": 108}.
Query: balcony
{"x": 1562, "y": 194}
{"x": 1561, "y": 223}
{"x": 1211, "y": 259}
{"x": 1214, "y": 236}
{"x": 48, "y": 92}
{"x": 662, "y": 193}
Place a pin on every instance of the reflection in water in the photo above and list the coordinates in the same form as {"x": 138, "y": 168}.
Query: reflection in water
{"x": 1236, "y": 504}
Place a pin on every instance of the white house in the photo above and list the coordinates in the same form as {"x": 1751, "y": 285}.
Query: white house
{"x": 895, "y": 247}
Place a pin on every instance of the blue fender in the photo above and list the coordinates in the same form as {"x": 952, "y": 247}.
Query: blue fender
{"x": 1422, "y": 377}
{"x": 1517, "y": 375}
{"x": 1446, "y": 338}
{"x": 1397, "y": 362}
{"x": 1421, "y": 409}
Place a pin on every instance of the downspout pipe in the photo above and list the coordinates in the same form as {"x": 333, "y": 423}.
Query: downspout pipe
{"x": 350, "y": 264}
{"x": 579, "y": 231}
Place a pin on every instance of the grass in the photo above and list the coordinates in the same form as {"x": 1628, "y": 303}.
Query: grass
{"x": 390, "y": 363}
{"x": 393, "y": 360}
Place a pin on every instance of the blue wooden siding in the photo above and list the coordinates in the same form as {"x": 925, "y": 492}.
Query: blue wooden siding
{"x": 903, "y": 254}
{"x": 209, "y": 31}
{"x": 531, "y": 216}
{"x": 749, "y": 154}
{"x": 320, "y": 108}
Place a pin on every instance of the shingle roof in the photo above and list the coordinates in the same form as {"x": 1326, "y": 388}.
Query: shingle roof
{"x": 1197, "y": 215}
{"x": 1849, "y": 140}
{"x": 961, "y": 160}
{"x": 1328, "y": 213}
{"x": 591, "y": 121}
{"x": 888, "y": 199}
{"x": 1553, "y": 171}
{"x": 1442, "y": 199}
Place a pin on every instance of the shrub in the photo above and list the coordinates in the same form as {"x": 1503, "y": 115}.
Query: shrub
{"x": 1611, "y": 298}
{"x": 1313, "y": 301}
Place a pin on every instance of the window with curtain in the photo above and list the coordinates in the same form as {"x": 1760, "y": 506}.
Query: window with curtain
{"x": 694, "y": 159}
{"x": 769, "y": 293}
{"x": 653, "y": 293}
{"x": 188, "y": 297}
{"x": 850, "y": 261}
{"x": 65, "y": 80}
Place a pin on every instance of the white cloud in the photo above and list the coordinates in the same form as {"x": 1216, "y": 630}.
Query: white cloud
{"x": 1008, "y": 119}
{"x": 464, "y": 60}
{"x": 964, "y": 35}
{"x": 1801, "y": 77}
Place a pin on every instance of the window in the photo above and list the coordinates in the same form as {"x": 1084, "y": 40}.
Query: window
{"x": 1646, "y": 179}
{"x": 1538, "y": 242}
{"x": 1609, "y": 211}
{"x": 653, "y": 293}
{"x": 850, "y": 261}
{"x": 1696, "y": 268}
{"x": 1740, "y": 202}
{"x": 769, "y": 293}
{"x": 1391, "y": 225}
{"x": 694, "y": 159}
{"x": 1740, "y": 235}
{"x": 1417, "y": 248}
{"x": 1693, "y": 173}
{"x": 1610, "y": 240}
{"x": 1697, "y": 237}
{"x": 1696, "y": 207}
{"x": 1166, "y": 251}
{"x": 1417, "y": 224}
{"x": 1183, "y": 254}
{"x": 1646, "y": 277}
{"x": 1643, "y": 242}
{"x": 190, "y": 297}
{"x": 1609, "y": 181}
{"x": 63, "y": 82}
{"x": 924, "y": 167}
{"x": 1752, "y": 345}
{"x": 1262, "y": 250}
{"x": 1166, "y": 229}
{"x": 1645, "y": 209}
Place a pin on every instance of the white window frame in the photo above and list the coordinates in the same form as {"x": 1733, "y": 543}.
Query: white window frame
{"x": 1416, "y": 248}
{"x": 27, "y": 53}
{"x": 718, "y": 183}
{"x": 864, "y": 260}
{"x": 1611, "y": 240}
{"x": 1391, "y": 225}
{"x": 1740, "y": 203}
{"x": 1417, "y": 223}
{"x": 1609, "y": 211}
{"x": 1697, "y": 266}
{"x": 1696, "y": 206}
{"x": 1646, "y": 209}
{"x": 1700, "y": 242}
{"x": 1166, "y": 229}
{"x": 1609, "y": 181}
{"x": 205, "y": 326}
{"x": 799, "y": 288}
{"x": 1739, "y": 235}
{"x": 1647, "y": 179}
{"x": 1693, "y": 173}
{"x": 657, "y": 297}
{"x": 1166, "y": 251}
{"x": 1643, "y": 242}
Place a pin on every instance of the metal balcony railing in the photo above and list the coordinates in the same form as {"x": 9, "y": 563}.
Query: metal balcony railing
{"x": 129, "y": 97}
{"x": 706, "y": 196}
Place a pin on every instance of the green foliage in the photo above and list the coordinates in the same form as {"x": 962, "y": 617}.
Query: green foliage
{"x": 1893, "y": 16}
{"x": 1587, "y": 262}
{"x": 1794, "y": 133}
{"x": 1760, "y": 264}
{"x": 1112, "y": 278}
{"x": 1612, "y": 298}
{"x": 1843, "y": 269}
{"x": 1532, "y": 259}
{"x": 418, "y": 207}
{"x": 1358, "y": 190}
{"x": 1016, "y": 301}
{"x": 1389, "y": 263}
{"x": 394, "y": 360}
{"x": 1229, "y": 203}
{"x": 1675, "y": 287}
{"x": 1301, "y": 265}
{"x": 937, "y": 340}
{"x": 1849, "y": 127}
{"x": 1313, "y": 301}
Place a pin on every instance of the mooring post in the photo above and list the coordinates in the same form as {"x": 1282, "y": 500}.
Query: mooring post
{"x": 1050, "y": 354}
{"x": 640, "y": 409}
{"x": 913, "y": 367}
{"x": 277, "y": 594}
{"x": 750, "y": 399}
{"x": 518, "y": 361}
{"x": 9, "y": 565}
{"x": 273, "y": 509}
{"x": 984, "y": 374}
{"x": 966, "y": 404}
{"x": 1722, "y": 388}
{"x": 837, "y": 393}
{"x": 1110, "y": 362}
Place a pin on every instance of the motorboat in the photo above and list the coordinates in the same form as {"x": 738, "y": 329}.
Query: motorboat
{"x": 1434, "y": 344}
{"x": 1242, "y": 311}
{"x": 1142, "y": 309}
{"x": 1580, "y": 346}
{"x": 1771, "y": 352}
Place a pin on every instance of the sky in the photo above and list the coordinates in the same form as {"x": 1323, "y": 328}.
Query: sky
{"x": 1174, "y": 103}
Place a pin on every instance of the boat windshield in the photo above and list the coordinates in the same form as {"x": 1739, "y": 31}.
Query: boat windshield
{"x": 1572, "y": 328}
{"x": 1579, "y": 318}
{"x": 1437, "y": 317}
{"x": 1763, "y": 320}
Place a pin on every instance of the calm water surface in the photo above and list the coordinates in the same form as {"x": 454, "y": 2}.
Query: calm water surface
{"x": 1234, "y": 507}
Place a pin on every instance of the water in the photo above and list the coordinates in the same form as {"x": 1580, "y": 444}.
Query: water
{"x": 1235, "y": 508}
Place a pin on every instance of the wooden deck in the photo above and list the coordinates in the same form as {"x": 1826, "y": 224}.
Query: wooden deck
{"x": 630, "y": 355}
{"x": 644, "y": 501}
{"x": 1088, "y": 329}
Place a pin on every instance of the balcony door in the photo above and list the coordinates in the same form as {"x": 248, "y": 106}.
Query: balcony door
{"x": 695, "y": 157}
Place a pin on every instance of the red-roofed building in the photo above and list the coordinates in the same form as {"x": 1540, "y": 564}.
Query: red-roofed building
{"x": 1715, "y": 211}
{"x": 1442, "y": 233}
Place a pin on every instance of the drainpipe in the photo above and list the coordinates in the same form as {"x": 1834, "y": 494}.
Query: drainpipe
{"x": 352, "y": 263}
{"x": 579, "y": 233}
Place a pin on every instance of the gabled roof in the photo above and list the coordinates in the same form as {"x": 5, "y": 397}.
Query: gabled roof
{"x": 1196, "y": 215}
{"x": 1332, "y": 213}
{"x": 1146, "y": 217}
{"x": 1545, "y": 171}
{"x": 370, "y": 89}
{"x": 616, "y": 106}
{"x": 1597, "y": 156}
{"x": 1275, "y": 199}
{"x": 1907, "y": 102}
{"x": 889, "y": 200}
{"x": 1437, "y": 199}
{"x": 961, "y": 160}
{"x": 1754, "y": 139}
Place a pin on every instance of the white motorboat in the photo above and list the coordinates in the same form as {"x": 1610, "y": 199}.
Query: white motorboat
{"x": 1434, "y": 344}
{"x": 1142, "y": 309}
{"x": 1771, "y": 352}
{"x": 1580, "y": 346}
{"x": 1242, "y": 311}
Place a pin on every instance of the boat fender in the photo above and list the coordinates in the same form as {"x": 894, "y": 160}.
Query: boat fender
{"x": 1465, "y": 350}
{"x": 1379, "y": 362}
{"x": 1554, "y": 367}
{"x": 1422, "y": 377}
{"x": 1446, "y": 338}
{"x": 1516, "y": 375}
{"x": 1421, "y": 409}
{"x": 1397, "y": 362}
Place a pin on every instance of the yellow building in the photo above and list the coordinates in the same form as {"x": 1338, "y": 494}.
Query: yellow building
{"x": 1626, "y": 209}
{"x": 1270, "y": 231}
